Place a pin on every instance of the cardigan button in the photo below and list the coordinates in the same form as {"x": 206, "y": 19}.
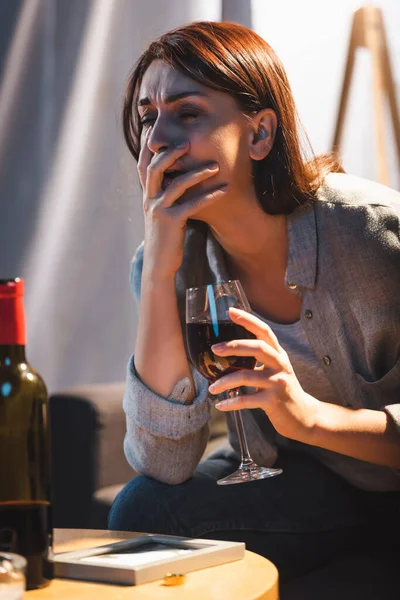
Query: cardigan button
{"x": 327, "y": 360}
{"x": 308, "y": 314}
{"x": 292, "y": 286}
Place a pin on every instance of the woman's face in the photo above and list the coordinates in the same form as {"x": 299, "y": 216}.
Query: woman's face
{"x": 174, "y": 108}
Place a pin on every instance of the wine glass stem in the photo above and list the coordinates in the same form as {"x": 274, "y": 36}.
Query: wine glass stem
{"x": 244, "y": 449}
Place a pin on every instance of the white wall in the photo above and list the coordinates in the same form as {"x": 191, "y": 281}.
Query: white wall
{"x": 311, "y": 37}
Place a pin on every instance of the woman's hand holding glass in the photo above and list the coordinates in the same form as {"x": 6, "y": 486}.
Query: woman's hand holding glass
{"x": 290, "y": 409}
{"x": 208, "y": 322}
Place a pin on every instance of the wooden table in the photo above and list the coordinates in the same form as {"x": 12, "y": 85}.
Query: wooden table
{"x": 252, "y": 578}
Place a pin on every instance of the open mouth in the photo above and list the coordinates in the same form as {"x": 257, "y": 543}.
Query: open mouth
{"x": 169, "y": 177}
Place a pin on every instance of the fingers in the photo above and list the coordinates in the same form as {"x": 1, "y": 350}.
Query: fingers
{"x": 191, "y": 207}
{"x": 260, "y": 349}
{"x": 257, "y": 400}
{"x": 159, "y": 164}
{"x": 144, "y": 159}
{"x": 256, "y": 326}
{"x": 257, "y": 379}
{"x": 182, "y": 183}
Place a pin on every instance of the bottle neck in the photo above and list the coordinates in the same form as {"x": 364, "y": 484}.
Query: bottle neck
{"x": 12, "y": 321}
{"x": 11, "y": 354}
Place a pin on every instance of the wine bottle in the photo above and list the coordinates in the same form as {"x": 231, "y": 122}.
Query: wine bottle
{"x": 25, "y": 499}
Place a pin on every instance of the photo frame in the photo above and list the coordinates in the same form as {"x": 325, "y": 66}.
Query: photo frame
{"x": 144, "y": 559}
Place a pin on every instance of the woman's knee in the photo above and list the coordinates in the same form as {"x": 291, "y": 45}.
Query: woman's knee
{"x": 147, "y": 505}
{"x": 132, "y": 504}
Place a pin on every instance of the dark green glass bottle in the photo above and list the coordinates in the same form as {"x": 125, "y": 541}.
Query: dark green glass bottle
{"x": 25, "y": 498}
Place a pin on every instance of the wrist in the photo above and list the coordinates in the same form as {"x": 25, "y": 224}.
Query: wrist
{"x": 313, "y": 423}
{"x": 327, "y": 419}
{"x": 154, "y": 273}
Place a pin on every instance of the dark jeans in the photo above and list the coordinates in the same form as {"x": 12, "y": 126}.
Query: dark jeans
{"x": 299, "y": 520}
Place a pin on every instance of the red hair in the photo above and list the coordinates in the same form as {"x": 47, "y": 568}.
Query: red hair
{"x": 234, "y": 59}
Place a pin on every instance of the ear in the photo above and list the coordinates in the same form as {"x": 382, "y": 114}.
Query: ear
{"x": 262, "y": 133}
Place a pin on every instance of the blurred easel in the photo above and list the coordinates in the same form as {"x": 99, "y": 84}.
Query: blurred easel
{"x": 368, "y": 31}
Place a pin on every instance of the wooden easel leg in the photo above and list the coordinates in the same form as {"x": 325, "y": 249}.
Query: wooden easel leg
{"x": 373, "y": 35}
{"x": 344, "y": 97}
{"x": 390, "y": 90}
{"x": 368, "y": 31}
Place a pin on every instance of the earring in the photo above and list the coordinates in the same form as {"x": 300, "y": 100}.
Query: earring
{"x": 262, "y": 134}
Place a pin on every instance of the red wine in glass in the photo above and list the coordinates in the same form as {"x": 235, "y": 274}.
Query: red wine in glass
{"x": 202, "y": 335}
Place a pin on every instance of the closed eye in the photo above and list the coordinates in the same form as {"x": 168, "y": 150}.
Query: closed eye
{"x": 188, "y": 115}
{"x": 146, "y": 122}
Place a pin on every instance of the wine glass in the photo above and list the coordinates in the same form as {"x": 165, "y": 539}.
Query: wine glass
{"x": 208, "y": 323}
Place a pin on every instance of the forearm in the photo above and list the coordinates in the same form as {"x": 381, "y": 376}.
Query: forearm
{"x": 368, "y": 435}
{"x": 160, "y": 357}
{"x": 148, "y": 458}
{"x": 180, "y": 431}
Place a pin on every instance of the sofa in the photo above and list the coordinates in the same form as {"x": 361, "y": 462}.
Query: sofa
{"x": 88, "y": 463}
{"x": 89, "y": 468}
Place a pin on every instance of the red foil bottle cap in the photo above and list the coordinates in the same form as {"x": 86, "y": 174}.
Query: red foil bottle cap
{"x": 11, "y": 288}
{"x": 12, "y": 313}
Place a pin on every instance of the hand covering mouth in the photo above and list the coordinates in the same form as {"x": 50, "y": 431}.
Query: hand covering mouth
{"x": 169, "y": 176}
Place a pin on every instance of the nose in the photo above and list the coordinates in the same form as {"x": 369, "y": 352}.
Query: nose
{"x": 159, "y": 140}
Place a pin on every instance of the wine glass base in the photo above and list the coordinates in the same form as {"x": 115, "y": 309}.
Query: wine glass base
{"x": 249, "y": 473}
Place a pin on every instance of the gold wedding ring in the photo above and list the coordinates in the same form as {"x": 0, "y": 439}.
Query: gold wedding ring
{"x": 174, "y": 579}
